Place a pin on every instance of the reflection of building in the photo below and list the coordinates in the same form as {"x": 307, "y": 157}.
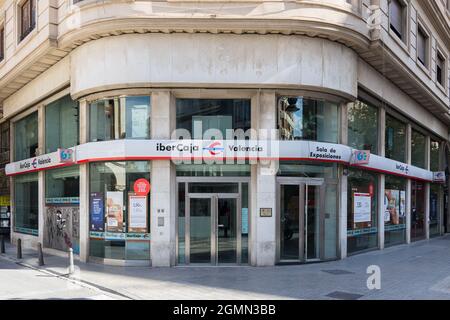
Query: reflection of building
{"x": 115, "y": 93}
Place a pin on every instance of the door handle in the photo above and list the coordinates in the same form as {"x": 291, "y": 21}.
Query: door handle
{"x": 221, "y": 226}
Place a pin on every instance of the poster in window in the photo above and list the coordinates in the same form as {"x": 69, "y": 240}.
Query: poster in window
{"x": 139, "y": 116}
{"x": 362, "y": 203}
{"x": 114, "y": 211}
{"x": 137, "y": 213}
{"x": 97, "y": 209}
{"x": 393, "y": 205}
{"x": 402, "y": 204}
{"x": 387, "y": 215}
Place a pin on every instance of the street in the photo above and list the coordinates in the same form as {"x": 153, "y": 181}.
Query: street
{"x": 418, "y": 271}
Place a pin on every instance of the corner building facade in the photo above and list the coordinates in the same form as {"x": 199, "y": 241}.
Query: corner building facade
{"x": 94, "y": 91}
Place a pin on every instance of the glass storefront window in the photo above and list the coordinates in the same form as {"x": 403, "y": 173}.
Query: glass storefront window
{"x": 434, "y": 155}
{"x": 363, "y": 127}
{"x": 119, "y": 219}
{"x": 301, "y": 118}
{"x": 197, "y": 116}
{"x": 120, "y": 118}
{"x": 214, "y": 170}
{"x": 26, "y": 204}
{"x": 394, "y": 211}
{"x": 26, "y": 137}
{"x": 417, "y": 210}
{"x": 62, "y": 211}
{"x": 435, "y": 219}
{"x": 307, "y": 169}
{"x": 61, "y": 124}
{"x": 395, "y": 140}
{"x": 418, "y": 147}
{"x": 362, "y": 222}
{"x": 330, "y": 224}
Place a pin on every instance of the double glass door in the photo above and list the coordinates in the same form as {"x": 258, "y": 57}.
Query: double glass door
{"x": 212, "y": 224}
{"x": 300, "y": 220}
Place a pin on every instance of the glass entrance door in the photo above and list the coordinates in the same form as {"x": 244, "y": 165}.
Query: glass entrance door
{"x": 301, "y": 217}
{"x": 214, "y": 229}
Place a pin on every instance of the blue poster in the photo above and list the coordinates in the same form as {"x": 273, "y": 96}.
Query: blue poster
{"x": 244, "y": 220}
{"x": 97, "y": 209}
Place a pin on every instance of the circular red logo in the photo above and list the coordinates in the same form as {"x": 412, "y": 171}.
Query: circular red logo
{"x": 142, "y": 187}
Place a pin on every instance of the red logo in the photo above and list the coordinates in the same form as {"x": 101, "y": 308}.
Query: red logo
{"x": 141, "y": 187}
{"x": 214, "y": 148}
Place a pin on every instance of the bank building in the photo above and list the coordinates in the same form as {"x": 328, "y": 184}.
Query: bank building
{"x": 339, "y": 113}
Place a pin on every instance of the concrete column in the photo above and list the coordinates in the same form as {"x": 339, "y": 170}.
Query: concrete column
{"x": 163, "y": 196}
{"x": 342, "y": 187}
{"x": 381, "y": 185}
{"x": 343, "y": 196}
{"x": 408, "y": 185}
{"x": 41, "y": 174}
{"x": 263, "y": 236}
{"x": 84, "y": 185}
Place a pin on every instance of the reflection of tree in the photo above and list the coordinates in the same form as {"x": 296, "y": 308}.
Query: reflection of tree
{"x": 362, "y": 125}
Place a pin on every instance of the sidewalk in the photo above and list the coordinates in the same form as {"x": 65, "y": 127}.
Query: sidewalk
{"x": 417, "y": 271}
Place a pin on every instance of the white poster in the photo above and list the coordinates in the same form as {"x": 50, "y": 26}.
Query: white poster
{"x": 387, "y": 214}
{"x": 139, "y": 116}
{"x": 138, "y": 213}
{"x": 362, "y": 207}
{"x": 402, "y": 203}
{"x": 114, "y": 211}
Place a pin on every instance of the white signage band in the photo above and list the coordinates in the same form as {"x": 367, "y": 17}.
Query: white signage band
{"x": 217, "y": 151}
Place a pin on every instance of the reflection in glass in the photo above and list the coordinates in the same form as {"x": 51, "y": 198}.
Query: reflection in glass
{"x": 26, "y": 137}
{"x": 435, "y": 220}
{"x": 417, "y": 210}
{"x": 434, "y": 155}
{"x": 394, "y": 211}
{"x": 395, "y": 140}
{"x": 226, "y": 230}
{"x": 26, "y": 203}
{"x": 289, "y": 222}
{"x": 312, "y": 223}
{"x": 363, "y": 127}
{"x": 418, "y": 147}
{"x": 307, "y": 119}
{"x": 200, "y": 230}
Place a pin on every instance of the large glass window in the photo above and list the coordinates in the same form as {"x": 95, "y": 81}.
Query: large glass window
{"x": 417, "y": 210}
{"x": 196, "y": 116}
{"x": 362, "y": 222}
{"x": 300, "y": 118}
{"x": 62, "y": 212}
{"x": 26, "y": 137}
{"x": 307, "y": 169}
{"x": 434, "y": 155}
{"x": 395, "y": 139}
{"x": 435, "y": 219}
{"x": 26, "y": 204}
{"x": 61, "y": 124}
{"x": 363, "y": 127}
{"x": 120, "y": 118}
{"x": 394, "y": 211}
{"x": 119, "y": 218}
{"x": 418, "y": 148}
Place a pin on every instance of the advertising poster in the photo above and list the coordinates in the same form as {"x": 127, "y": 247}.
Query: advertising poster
{"x": 97, "y": 210}
{"x": 139, "y": 116}
{"x": 402, "y": 203}
{"x": 393, "y": 205}
{"x": 244, "y": 219}
{"x": 362, "y": 203}
{"x": 137, "y": 213}
{"x": 114, "y": 211}
{"x": 387, "y": 214}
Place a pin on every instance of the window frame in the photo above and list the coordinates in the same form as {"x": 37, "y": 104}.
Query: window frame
{"x": 426, "y": 65}
{"x": 21, "y": 33}
{"x": 444, "y": 85}
{"x": 401, "y": 39}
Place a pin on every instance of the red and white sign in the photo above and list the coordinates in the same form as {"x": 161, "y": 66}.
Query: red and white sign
{"x": 141, "y": 187}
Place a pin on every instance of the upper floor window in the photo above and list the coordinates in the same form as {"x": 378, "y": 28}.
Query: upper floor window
{"x": 27, "y": 17}
{"x": 301, "y": 118}
{"x": 395, "y": 139}
{"x": 61, "y": 124}
{"x": 26, "y": 137}
{"x": 397, "y": 18}
{"x": 418, "y": 147}
{"x": 423, "y": 46}
{"x": 440, "y": 69}
{"x": 435, "y": 147}
{"x": 363, "y": 127}
{"x": 2, "y": 43}
{"x": 120, "y": 118}
{"x": 213, "y": 118}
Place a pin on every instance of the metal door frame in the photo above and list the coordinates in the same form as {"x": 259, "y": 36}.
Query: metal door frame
{"x": 303, "y": 184}
{"x": 214, "y": 198}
